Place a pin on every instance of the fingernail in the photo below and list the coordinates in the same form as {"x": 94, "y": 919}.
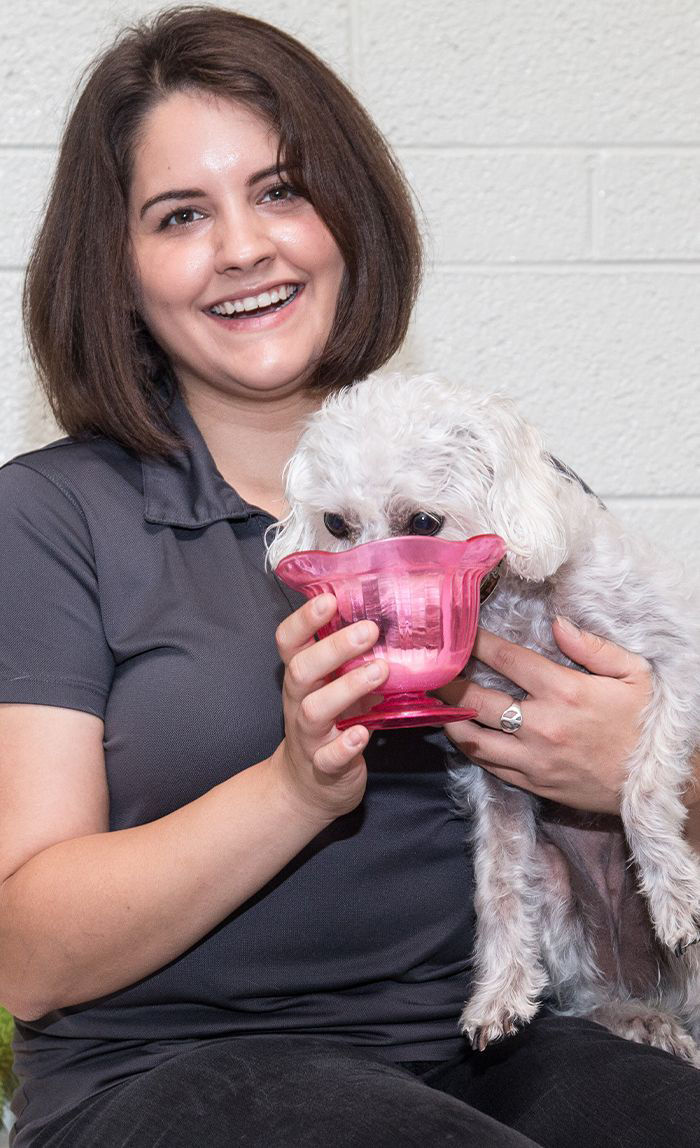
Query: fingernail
{"x": 321, "y": 604}
{"x": 361, "y": 633}
{"x": 568, "y": 626}
{"x": 374, "y": 672}
{"x": 354, "y": 737}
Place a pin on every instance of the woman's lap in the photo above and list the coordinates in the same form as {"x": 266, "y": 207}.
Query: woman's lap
{"x": 568, "y": 1083}
{"x": 290, "y": 1093}
{"x": 560, "y": 1083}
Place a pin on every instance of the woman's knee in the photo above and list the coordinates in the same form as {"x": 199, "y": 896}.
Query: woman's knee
{"x": 255, "y": 1093}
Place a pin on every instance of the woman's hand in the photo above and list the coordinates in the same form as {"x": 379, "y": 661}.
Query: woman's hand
{"x": 578, "y": 729}
{"x": 323, "y": 771}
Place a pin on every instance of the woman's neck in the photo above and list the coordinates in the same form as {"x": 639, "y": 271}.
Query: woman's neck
{"x": 250, "y": 442}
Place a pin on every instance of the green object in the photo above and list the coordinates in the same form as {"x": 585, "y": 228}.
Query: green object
{"x": 8, "y": 1080}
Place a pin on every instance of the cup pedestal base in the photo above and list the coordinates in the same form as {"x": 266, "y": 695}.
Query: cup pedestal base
{"x": 401, "y": 711}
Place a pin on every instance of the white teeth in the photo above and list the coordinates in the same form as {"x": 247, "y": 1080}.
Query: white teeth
{"x": 253, "y": 302}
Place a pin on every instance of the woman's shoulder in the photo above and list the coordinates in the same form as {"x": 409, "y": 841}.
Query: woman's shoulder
{"x": 79, "y": 470}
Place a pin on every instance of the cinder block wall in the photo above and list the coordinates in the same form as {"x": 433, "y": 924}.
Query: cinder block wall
{"x": 554, "y": 147}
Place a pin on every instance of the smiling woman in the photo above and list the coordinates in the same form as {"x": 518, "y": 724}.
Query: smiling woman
{"x": 289, "y": 168}
{"x": 223, "y": 920}
{"x": 240, "y": 236}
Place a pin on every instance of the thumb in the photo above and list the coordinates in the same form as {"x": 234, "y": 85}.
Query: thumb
{"x": 597, "y": 654}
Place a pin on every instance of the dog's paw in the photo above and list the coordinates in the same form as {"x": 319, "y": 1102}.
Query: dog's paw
{"x": 675, "y": 915}
{"x": 636, "y": 1021}
{"x": 482, "y": 1026}
{"x": 480, "y": 1037}
{"x": 677, "y": 932}
{"x": 689, "y": 939}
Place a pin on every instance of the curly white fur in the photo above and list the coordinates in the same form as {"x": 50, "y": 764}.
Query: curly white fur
{"x": 378, "y": 452}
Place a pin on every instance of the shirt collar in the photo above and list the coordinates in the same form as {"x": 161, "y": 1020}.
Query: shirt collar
{"x": 187, "y": 489}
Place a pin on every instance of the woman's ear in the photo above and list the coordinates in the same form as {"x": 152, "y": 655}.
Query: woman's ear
{"x": 527, "y": 501}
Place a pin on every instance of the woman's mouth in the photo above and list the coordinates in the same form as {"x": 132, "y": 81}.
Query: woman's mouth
{"x": 245, "y": 311}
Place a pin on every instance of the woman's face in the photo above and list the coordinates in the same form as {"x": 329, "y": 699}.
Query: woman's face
{"x": 213, "y": 232}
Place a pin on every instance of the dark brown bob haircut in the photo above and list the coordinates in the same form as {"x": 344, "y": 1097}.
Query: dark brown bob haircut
{"x": 98, "y": 364}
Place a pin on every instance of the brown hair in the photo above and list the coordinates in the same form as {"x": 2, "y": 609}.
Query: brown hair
{"x": 96, "y": 360}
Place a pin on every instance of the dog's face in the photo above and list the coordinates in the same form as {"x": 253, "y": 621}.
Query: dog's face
{"x": 403, "y": 494}
{"x": 384, "y": 481}
{"x": 396, "y": 455}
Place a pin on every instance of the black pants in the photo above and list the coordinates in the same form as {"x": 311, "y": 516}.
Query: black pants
{"x": 562, "y": 1082}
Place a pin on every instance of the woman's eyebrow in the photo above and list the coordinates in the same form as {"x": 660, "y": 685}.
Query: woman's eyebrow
{"x": 197, "y": 193}
{"x": 187, "y": 193}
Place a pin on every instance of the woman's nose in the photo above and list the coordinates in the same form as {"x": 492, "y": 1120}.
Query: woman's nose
{"x": 242, "y": 241}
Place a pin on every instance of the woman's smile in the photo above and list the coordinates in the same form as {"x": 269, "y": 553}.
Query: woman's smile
{"x": 239, "y": 276}
{"x": 260, "y": 310}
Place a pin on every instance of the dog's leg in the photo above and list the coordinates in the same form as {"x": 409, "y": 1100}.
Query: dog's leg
{"x": 508, "y": 973}
{"x": 568, "y": 950}
{"x": 578, "y": 986}
{"x": 653, "y": 815}
{"x": 679, "y": 996}
{"x": 689, "y": 978}
{"x": 641, "y": 1022}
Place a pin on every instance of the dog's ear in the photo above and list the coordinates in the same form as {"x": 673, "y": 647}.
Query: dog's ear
{"x": 297, "y": 530}
{"x": 529, "y": 501}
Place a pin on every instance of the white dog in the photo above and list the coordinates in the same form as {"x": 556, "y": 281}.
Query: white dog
{"x": 555, "y": 889}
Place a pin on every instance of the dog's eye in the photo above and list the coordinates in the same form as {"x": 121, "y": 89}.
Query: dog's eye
{"x": 425, "y": 523}
{"x": 336, "y": 525}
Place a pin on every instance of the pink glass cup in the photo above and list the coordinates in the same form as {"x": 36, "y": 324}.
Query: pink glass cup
{"x": 423, "y": 593}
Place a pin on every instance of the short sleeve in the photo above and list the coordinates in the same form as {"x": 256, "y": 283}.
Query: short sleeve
{"x": 53, "y": 649}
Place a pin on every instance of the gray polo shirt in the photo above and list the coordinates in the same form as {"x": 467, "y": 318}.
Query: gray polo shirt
{"x": 136, "y": 590}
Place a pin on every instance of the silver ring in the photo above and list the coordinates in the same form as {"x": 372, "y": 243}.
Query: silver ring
{"x": 511, "y": 719}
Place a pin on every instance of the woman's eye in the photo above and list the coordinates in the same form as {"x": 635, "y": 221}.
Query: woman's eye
{"x": 336, "y": 525}
{"x": 181, "y": 217}
{"x": 425, "y": 523}
{"x": 280, "y": 193}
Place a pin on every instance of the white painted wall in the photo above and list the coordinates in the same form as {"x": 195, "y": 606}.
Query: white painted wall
{"x": 554, "y": 146}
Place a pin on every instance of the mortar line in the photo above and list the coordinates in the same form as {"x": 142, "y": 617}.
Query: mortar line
{"x": 688, "y": 267}
{"x": 46, "y": 147}
{"x": 582, "y": 146}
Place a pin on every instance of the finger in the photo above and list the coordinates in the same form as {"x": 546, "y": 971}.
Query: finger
{"x": 490, "y": 747}
{"x": 599, "y": 655}
{"x": 534, "y": 673}
{"x": 297, "y": 631}
{"x": 510, "y": 777}
{"x": 483, "y": 746}
{"x": 338, "y": 754}
{"x": 489, "y": 704}
{"x": 361, "y": 705}
{"x": 320, "y": 708}
{"x": 314, "y": 663}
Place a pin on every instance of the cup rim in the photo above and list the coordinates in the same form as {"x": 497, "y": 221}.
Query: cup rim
{"x": 354, "y": 565}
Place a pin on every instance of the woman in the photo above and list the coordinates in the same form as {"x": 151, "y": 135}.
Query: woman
{"x": 216, "y": 928}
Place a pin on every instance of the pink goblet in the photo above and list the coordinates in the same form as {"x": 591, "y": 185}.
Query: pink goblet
{"x": 423, "y": 593}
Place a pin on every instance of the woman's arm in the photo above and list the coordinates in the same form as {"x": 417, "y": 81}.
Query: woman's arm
{"x": 89, "y": 915}
{"x": 95, "y": 911}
